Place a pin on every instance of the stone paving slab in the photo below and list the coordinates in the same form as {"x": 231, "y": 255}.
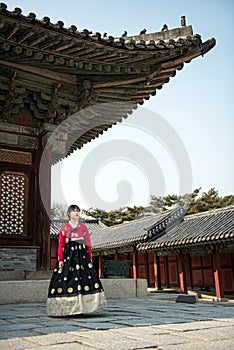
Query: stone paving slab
{"x": 154, "y": 322}
{"x": 152, "y": 337}
{"x": 209, "y": 334}
{"x": 201, "y": 345}
{"x": 193, "y": 326}
{"x": 115, "y": 339}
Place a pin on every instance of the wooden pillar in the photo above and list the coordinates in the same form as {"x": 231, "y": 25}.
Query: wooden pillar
{"x": 182, "y": 273}
{"x": 217, "y": 275}
{"x": 42, "y": 205}
{"x": 190, "y": 271}
{"x": 146, "y": 260}
{"x": 157, "y": 276}
{"x": 166, "y": 270}
{"x": 116, "y": 255}
{"x": 100, "y": 265}
{"x": 134, "y": 264}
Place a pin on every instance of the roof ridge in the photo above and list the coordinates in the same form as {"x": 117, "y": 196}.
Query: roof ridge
{"x": 126, "y": 223}
{"x": 209, "y": 212}
{"x": 182, "y": 31}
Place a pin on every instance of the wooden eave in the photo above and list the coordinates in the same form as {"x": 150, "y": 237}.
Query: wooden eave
{"x": 54, "y": 72}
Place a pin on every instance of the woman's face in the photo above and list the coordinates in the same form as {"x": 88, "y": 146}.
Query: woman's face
{"x": 75, "y": 214}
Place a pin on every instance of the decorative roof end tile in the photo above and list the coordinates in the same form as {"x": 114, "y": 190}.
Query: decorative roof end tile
{"x": 84, "y": 32}
{"x": 31, "y": 16}
{"x": 17, "y": 11}
{"x": 3, "y": 7}
{"x": 72, "y": 28}
{"x": 59, "y": 24}
{"x": 46, "y": 20}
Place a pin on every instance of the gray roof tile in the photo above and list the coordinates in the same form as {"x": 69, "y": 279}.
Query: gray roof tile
{"x": 211, "y": 226}
{"x": 135, "y": 231}
{"x": 167, "y": 230}
{"x": 93, "y": 226}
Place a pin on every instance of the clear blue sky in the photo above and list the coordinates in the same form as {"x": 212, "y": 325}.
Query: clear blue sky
{"x": 197, "y": 103}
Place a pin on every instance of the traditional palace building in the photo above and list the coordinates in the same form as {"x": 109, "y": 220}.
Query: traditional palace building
{"x": 62, "y": 83}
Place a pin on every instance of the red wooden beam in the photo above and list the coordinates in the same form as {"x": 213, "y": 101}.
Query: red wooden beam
{"x": 134, "y": 264}
{"x": 182, "y": 274}
{"x": 146, "y": 259}
{"x": 217, "y": 275}
{"x": 166, "y": 272}
{"x": 157, "y": 276}
{"x": 100, "y": 265}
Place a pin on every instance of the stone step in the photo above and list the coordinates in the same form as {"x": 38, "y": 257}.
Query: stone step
{"x": 35, "y": 291}
{"x": 19, "y": 275}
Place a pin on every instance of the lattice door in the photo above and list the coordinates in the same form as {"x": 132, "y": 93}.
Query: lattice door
{"x": 13, "y": 202}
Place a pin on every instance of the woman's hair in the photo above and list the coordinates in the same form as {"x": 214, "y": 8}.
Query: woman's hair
{"x": 72, "y": 207}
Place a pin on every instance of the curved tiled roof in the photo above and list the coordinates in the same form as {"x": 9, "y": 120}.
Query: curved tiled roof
{"x": 168, "y": 230}
{"x": 56, "y": 72}
{"x": 135, "y": 231}
{"x": 161, "y": 40}
{"x": 93, "y": 226}
{"x": 208, "y": 227}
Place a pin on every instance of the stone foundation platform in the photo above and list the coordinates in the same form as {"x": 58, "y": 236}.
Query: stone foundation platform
{"x": 35, "y": 291}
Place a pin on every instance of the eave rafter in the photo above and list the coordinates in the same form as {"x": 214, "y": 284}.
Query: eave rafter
{"x": 59, "y": 71}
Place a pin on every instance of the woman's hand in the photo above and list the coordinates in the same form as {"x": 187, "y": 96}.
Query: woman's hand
{"x": 61, "y": 264}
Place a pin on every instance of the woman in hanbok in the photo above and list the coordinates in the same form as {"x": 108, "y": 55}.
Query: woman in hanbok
{"x": 74, "y": 287}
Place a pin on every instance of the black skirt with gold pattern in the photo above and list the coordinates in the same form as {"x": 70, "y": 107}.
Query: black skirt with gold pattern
{"x": 76, "y": 289}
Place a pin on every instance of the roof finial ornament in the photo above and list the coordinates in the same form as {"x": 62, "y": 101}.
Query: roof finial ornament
{"x": 143, "y": 31}
{"x": 104, "y": 35}
{"x": 31, "y": 16}
{"x": 124, "y": 34}
{"x": 183, "y": 21}
{"x": 165, "y": 27}
{"x": 3, "y": 6}
{"x": 46, "y": 20}
{"x": 73, "y": 28}
{"x": 17, "y": 11}
{"x": 59, "y": 24}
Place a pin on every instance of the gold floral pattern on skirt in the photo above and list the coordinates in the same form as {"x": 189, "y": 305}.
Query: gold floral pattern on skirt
{"x": 76, "y": 288}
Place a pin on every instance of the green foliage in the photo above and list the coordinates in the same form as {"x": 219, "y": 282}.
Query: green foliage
{"x": 157, "y": 205}
{"x": 115, "y": 217}
{"x": 160, "y": 204}
{"x": 194, "y": 202}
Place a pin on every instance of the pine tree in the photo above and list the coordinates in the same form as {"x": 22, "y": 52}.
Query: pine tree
{"x": 192, "y": 202}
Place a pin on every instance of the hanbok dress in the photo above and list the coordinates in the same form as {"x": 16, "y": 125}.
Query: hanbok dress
{"x": 75, "y": 289}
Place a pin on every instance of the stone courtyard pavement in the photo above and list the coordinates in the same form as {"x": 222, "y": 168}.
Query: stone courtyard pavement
{"x": 153, "y": 322}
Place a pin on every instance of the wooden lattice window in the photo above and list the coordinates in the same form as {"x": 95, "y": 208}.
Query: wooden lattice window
{"x": 13, "y": 202}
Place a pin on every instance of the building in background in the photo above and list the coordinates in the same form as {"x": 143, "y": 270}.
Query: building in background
{"x": 171, "y": 249}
